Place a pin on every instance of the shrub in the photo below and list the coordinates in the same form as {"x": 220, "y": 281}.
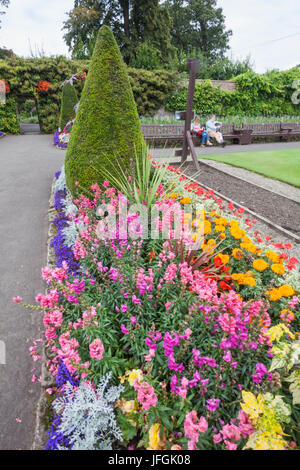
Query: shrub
{"x": 107, "y": 126}
{"x": 9, "y": 122}
{"x": 68, "y": 102}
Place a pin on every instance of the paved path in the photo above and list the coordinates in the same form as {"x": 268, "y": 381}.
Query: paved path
{"x": 28, "y": 164}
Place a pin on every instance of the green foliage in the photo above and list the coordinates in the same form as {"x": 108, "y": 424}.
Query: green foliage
{"x": 200, "y": 24}
{"x": 150, "y": 88}
{"x": 9, "y": 122}
{"x": 68, "y": 102}
{"x": 268, "y": 94}
{"x": 107, "y": 125}
{"x": 147, "y": 57}
{"x": 23, "y": 76}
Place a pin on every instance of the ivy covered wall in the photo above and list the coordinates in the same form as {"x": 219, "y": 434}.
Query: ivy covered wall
{"x": 151, "y": 88}
{"x": 255, "y": 95}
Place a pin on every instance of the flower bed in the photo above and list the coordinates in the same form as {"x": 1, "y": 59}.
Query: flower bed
{"x": 200, "y": 345}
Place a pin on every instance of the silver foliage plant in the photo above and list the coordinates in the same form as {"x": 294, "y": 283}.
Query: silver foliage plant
{"x": 87, "y": 415}
{"x": 60, "y": 183}
{"x": 71, "y": 231}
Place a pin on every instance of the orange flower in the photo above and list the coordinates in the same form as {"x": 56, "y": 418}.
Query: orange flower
{"x": 260, "y": 265}
{"x": 278, "y": 269}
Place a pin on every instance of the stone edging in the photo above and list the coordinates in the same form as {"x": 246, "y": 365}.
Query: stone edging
{"x": 47, "y": 380}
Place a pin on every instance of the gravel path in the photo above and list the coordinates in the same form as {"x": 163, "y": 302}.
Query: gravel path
{"x": 28, "y": 164}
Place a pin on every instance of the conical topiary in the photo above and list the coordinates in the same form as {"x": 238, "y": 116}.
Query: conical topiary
{"x": 69, "y": 100}
{"x": 107, "y": 127}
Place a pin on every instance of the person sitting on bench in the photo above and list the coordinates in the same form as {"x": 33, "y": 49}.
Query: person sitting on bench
{"x": 213, "y": 130}
{"x": 196, "y": 127}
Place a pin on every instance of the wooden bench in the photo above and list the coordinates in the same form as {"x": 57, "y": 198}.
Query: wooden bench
{"x": 281, "y": 130}
{"x": 244, "y": 135}
{"x": 154, "y": 133}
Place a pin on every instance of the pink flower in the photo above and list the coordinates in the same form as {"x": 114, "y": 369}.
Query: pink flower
{"x": 124, "y": 330}
{"x": 146, "y": 395}
{"x": 96, "y": 349}
{"x": 217, "y": 438}
{"x": 17, "y": 300}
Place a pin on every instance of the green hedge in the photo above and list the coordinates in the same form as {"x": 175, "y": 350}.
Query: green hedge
{"x": 107, "y": 130}
{"x": 268, "y": 94}
{"x": 150, "y": 88}
{"x": 9, "y": 122}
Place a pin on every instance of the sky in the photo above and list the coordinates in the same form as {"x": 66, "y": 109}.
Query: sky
{"x": 254, "y": 24}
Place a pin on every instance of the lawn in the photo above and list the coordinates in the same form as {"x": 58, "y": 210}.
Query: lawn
{"x": 282, "y": 165}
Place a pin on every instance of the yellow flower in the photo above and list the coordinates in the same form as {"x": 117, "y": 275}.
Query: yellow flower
{"x": 222, "y": 221}
{"x": 278, "y": 269}
{"x": 273, "y": 294}
{"x": 244, "y": 279}
{"x": 185, "y": 200}
{"x": 236, "y": 232}
{"x": 224, "y": 258}
{"x": 286, "y": 291}
{"x": 274, "y": 257}
{"x": 237, "y": 253}
{"x": 260, "y": 265}
{"x": 207, "y": 227}
{"x": 127, "y": 406}
{"x": 249, "y": 246}
{"x": 155, "y": 442}
{"x": 220, "y": 228}
{"x": 131, "y": 375}
{"x": 173, "y": 195}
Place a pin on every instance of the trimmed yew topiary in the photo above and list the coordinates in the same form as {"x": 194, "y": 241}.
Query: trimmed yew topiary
{"x": 107, "y": 127}
{"x": 69, "y": 100}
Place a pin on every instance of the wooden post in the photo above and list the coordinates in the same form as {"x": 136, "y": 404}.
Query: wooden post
{"x": 193, "y": 65}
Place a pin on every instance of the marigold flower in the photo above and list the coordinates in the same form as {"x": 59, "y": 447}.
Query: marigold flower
{"x": 237, "y": 253}
{"x": 278, "y": 269}
{"x": 286, "y": 291}
{"x": 185, "y": 200}
{"x": 260, "y": 265}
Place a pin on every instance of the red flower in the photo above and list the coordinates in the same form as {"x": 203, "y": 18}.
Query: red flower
{"x": 288, "y": 246}
{"x": 4, "y": 84}
{"x": 224, "y": 286}
{"x": 43, "y": 86}
{"x": 152, "y": 255}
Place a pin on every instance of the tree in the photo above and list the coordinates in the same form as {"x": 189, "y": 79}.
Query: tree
{"x": 3, "y": 3}
{"x": 69, "y": 100}
{"x": 132, "y": 22}
{"x": 199, "y": 24}
{"x": 107, "y": 127}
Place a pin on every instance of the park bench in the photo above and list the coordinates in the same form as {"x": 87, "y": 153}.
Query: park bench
{"x": 154, "y": 133}
{"x": 282, "y": 130}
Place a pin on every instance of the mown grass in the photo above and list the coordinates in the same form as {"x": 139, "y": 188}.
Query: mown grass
{"x": 281, "y": 165}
